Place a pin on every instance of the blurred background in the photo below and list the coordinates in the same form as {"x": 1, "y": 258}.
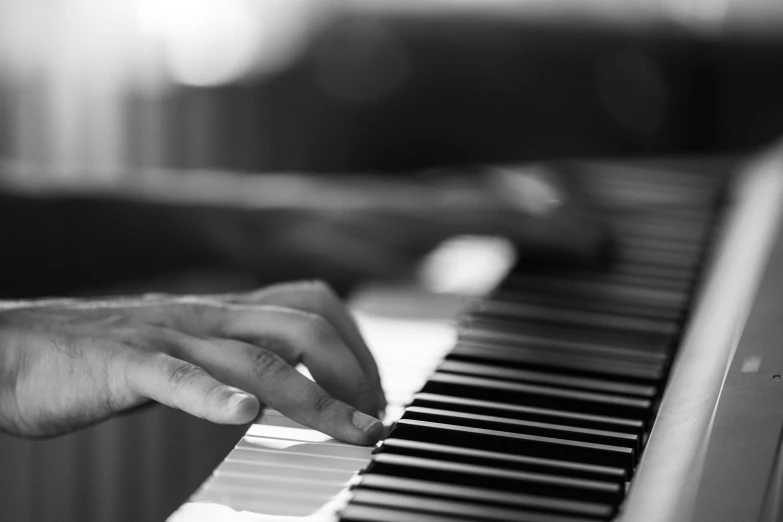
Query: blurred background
{"x": 94, "y": 88}
{"x": 161, "y": 98}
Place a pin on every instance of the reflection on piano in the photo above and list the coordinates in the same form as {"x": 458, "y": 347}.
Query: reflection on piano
{"x": 566, "y": 395}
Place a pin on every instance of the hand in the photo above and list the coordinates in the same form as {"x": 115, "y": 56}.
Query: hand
{"x": 66, "y": 364}
{"x": 376, "y": 227}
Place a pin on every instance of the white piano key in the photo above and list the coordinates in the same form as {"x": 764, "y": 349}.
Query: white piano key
{"x": 289, "y": 434}
{"x": 194, "y": 511}
{"x": 248, "y": 468}
{"x": 264, "y": 503}
{"x": 230, "y": 479}
{"x": 276, "y": 491}
{"x": 265, "y": 511}
{"x": 238, "y": 499}
{"x": 295, "y": 459}
{"x": 230, "y": 482}
{"x": 349, "y": 452}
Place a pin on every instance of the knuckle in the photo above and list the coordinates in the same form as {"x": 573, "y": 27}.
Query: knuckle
{"x": 192, "y": 311}
{"x": 160, "y": 360}
{"x": 119, "y": 386}
{"x": 323, "y": 403}
{"x": 163, "y": 318}
{"x": 265, "y": 363}
{"x": 199, "y": 307}
{"x": 137, "y": 339}
{"x": 182, "y": 375}
{"x": 151, "y": 333}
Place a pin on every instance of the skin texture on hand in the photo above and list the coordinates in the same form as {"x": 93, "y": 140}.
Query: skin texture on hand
{"x": 66, "y": 364}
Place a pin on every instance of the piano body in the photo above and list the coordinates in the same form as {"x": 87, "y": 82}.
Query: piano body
{"x": 649, "y": 390}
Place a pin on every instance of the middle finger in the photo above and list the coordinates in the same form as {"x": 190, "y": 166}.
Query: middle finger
{"x": 295, "y": 335}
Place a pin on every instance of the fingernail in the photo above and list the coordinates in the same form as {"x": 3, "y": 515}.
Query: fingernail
{"x": 364, "y": 422}
{"x": 236, "y": 400}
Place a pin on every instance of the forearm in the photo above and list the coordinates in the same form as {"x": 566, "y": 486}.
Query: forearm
{"x": 56, "y": 244}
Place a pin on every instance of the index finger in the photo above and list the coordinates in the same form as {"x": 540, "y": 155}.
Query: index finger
{"x": 278, "y": 385}
{"x": 296, "y": 335}
{"x": 317, "y": 298}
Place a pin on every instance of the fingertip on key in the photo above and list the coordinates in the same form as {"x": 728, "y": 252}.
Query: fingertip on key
{"x": 371, "y": 428}
{"x": 364, "y": 422}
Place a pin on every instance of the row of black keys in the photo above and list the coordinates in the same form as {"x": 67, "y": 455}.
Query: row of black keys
{"x": 541, "y": 411}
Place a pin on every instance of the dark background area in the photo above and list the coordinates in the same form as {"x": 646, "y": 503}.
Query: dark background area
{"x": 467, "y": 89}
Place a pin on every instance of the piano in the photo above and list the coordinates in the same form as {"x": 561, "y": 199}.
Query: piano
{"x": 563, "y": 393}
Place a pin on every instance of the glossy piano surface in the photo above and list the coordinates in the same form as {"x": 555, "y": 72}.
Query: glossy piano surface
{"x": 538, "y": 407}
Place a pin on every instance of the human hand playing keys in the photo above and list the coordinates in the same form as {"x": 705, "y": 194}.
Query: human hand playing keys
{"x": 68, "y": 363}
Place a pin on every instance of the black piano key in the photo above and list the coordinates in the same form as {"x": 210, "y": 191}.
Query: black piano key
{"x": 578, "y": 364}
{"x": 586, "y": 302}
{"x": 412, "y": 448}
{"x": 666, "y": 183}
{"x": 654, "y": 227}
{"x": 600, "y": 289}
{"x": 656, "y": 257}
{"x": 661, "y": 245}
{"x": 537, "y": 395}
{"x": 543, "y": 429}
{"x": 625, "y": 281}
{"x": 570, "y": 336}
{"x": 676, "y": 280}
{"x": 535, "y": 319}
{"x": 493, "y": 478}
{"x": 365, "y": 513}
{"x": 485, "y": 495}
{"x": 559, "y": 372}
{"x": 516, "y": 443}
{"x": 525, "y": 333}
{"x": 625, "y": 273}
{"x": 523, "y": 412}
{"x": 589, "y": 303}
{"x": 549, "y": 379}
{"x": 459, "y": 509}
{"x": 666, "y": 277}
{"x": 588, "y": 319}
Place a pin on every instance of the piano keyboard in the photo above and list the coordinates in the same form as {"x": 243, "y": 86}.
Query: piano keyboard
{"x": 537, "y": 408}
